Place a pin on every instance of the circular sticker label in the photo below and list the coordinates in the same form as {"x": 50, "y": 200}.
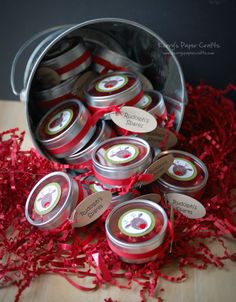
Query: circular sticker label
{"x": 144, "y": 102}
{"x": 47, "y": 198}
{"x": 182, "y": 169}
{"x": 136, "y": 222}
{"x": 122, "y": 153}
{"x": 59, "y": 121}
{"x": 111, "y": 83}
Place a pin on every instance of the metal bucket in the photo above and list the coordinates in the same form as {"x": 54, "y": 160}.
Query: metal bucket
{"x": 136, "y": 41}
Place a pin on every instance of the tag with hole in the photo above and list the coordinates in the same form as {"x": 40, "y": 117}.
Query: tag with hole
{"x": 186, "y": 205}
{"x": 134, "y": 119}
{"x": 152, "y": 197}
{"x": 161, "y": 138}
{"x": 91, "y": 208}
{"x": 159, "y": 167}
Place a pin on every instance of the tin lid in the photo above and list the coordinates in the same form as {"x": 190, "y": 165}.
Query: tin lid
{"x": 187, "y": 172}
{"x": 150, "y": 101}
{"x": 115, "y": 88}
{"x": 121, "y": 153}
{"x": 136, "y": 223}
{"x": 60, "y": 120}
{"x": 102, "y": 132}
{"x": 51, "y": 200}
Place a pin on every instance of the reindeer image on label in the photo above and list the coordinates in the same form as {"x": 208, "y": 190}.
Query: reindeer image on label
{"x": 111, "y": 83}
{"x": 59, "y": 122}
{"x": 47, "y": 198}
{"x": 182, "y": 169}
{"x": 136, "y": 222}
{"x": 122, "y": 153}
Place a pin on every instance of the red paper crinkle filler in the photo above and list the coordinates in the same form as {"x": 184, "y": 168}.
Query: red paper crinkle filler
{"x": 208, "y": 131}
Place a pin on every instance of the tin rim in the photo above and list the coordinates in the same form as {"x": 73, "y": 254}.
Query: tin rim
{"x": 72, "y": 195}
{"x": 142, "y": 162}
{"x": 117, "y": 59}
{"x": 81, "y": 155}
{"x": 82, "y": 114}
{"x": 184, "y": 189}
{"x": 116, "y": 98}
{"x": 151, "y": 243}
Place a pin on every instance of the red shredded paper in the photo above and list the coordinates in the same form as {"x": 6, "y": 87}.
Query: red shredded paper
{"x": 208, "y": 131}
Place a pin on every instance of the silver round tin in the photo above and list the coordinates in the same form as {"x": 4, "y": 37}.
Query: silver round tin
{"x": 187, "y": 175}
{"x": 133, "y": 230}
{"x": 104, "y": 57}
{"x": 48, "y": 98}
{"x": 102, "y": 133}
{"x": 71, "y": 61}
{"x": 65, "y": 129}
{"x": 52, "y": 200}
{"x": 153, "y": 102}
{"x": 116, "y": 88}
{"x": 120, "y": 158}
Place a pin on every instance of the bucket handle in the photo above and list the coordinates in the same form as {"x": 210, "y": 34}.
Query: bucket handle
{"x": 22, "y": 49}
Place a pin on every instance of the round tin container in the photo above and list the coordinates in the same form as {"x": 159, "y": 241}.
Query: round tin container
{"x": 117, "y": 88}
{"x": 116, "y": 160}
{"x": 145, "y": 81}
{"x": 153, "y": 102}
{"x": 65, "y": 129}
{"x": 102, "y": 133}
{"x": 106, "y": 60}
{"x": 136, "y": 230}
{"x": 52, "y": 200}
{"x": 49, "y": 98}
{"x": 187, "y": 175}
{"x": 68, "y": 57}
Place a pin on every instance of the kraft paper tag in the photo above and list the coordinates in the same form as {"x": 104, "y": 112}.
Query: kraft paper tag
{"x": 161, "y": 138}
{"x": 186, "y": 205}
{"x": 159, "y": 167}
{"x": 47, "y": 77}
{"x": 91, "y": 208}
{"x": 152, "y": 197}
{"x": 134, "y": 119}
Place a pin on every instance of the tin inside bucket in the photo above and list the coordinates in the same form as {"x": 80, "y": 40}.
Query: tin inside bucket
{"x": 128, "y": 38}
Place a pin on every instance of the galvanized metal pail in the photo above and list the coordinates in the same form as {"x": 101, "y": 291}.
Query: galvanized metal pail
{"x": 123, "y": 36}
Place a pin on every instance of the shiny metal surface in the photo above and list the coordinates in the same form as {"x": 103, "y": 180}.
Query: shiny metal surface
{"x": 114, "y": 98}
{"x": 123, "y": 172}
{"x": 141, "y": 44}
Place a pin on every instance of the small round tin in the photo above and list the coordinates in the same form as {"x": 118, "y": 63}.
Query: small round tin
{"x": 117, "y": 88}
{"x": 102, "y": 133}
{"x": 116, "y": 160}
{"x": 106, "y": 60}
{"x": 48, "y": 98}
{"x": 153, "y": 102}
{"x": 52, "y": 200}
{"x": 65, "y": 129}
{"x": 146, "y": 83}
{"x": 68, "y": 57}
{"x": 187, "y": 175}
{"x": 136, "y": 230}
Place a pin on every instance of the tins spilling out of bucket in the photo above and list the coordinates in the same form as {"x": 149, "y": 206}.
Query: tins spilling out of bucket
{"x": 136, "y": 230}
{"x": 65, "y": 129}
{"x": 106, "y": 60}
{"x": 113, "y": 89}
{"x": 67, "y": 57}
{"x": 84, "y": 155}
{"x": 52, "y": 200}
{"x": 116, "y": 160}
{"x": 187, "y": 175}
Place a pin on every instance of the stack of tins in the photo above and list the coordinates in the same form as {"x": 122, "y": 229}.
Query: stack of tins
{"x": 76, "y": 87}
